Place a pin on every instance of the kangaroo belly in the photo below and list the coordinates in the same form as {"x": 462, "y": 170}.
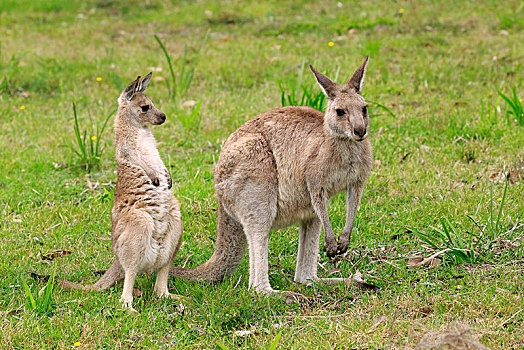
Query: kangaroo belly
{"x": 156, "y": 255}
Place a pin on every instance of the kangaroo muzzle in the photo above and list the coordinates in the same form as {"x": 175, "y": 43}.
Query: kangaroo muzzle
{"x": 160, "y": 119}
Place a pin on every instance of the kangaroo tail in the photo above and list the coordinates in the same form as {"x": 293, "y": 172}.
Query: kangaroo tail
{"x": 230, "y": 246}
{"x": 114, "y": 274}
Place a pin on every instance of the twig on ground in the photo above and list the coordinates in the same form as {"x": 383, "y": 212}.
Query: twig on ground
{"x": 509, "y": 319}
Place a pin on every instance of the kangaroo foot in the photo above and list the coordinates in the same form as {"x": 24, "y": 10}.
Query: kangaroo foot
{"x": 288, "y": 297}
{"x": 172, "y": 296}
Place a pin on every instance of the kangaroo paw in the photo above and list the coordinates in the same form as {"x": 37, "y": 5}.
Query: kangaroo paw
{"x": 155, "y": 181}
{"x": 343, "y": 245}
{"x": 169, "y": 180}
{"x": 331, "y": 248}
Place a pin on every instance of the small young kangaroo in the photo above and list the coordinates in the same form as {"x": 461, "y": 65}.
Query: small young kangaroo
{"x": 281, "y": 168}
{"x": 146, "y": 222}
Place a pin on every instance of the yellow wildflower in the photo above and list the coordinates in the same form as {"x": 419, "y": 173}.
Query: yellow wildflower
{"x": 499, "y": 199}
{"x": 98, "y": 79}
{"x": 401, "y": 11}
{"x": 77, "y": 344}
{"x": 22, "y": 107}
{"x": 93, "y": 138}
{"x": 331, "y": 43}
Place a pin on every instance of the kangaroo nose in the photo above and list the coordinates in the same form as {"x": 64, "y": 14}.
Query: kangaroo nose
{"x": 359, "y": 132}
{"x": 163, "y": 117}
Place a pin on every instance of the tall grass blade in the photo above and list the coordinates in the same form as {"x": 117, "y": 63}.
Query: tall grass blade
{"x": 100, "y": 132}
{"x": 172, "y": 91}
{"x": 517, "y": 110}
{"x": 274, "y": 344}
{"x": 502, "y": 204}
{"x": 389, "y": 111}
{"x": 222, "y": 346}
{"x": 29, "y": 295}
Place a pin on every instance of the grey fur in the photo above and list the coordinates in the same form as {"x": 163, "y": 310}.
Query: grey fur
{"x": 281, "y": 168}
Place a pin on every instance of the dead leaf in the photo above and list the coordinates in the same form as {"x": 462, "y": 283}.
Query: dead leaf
{"x": 10, "y": 312}
{"x": 414, "y": 262}
{"x": 513, "y": 176}
{"x": 55, "y": 254}
{"x": 426, "y": 310}
{"x": 419, "y": 261}
{"x": 361, "y": 284}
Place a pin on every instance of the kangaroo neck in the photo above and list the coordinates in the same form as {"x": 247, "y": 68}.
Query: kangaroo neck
{"x": 129, "y": 140}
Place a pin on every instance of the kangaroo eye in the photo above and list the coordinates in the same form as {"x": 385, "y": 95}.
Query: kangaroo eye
{"x": 145, "y": 108}
{"x": 340, "y": 112}
{"x": 365, "y": 110}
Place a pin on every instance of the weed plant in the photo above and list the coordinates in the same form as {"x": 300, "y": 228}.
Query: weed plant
{"x": 515, "y": 111}
{"x": 475, "y": 247}
{"x": 299, "y": 94}
{"x": 179, "y": 85}
{"x": 41, "y": 301}
{"x": 88, "y": 148}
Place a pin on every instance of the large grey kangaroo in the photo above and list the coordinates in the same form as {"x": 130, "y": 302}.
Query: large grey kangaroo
{"x": 281, "y": 168}
{"x": 146, "y": 222}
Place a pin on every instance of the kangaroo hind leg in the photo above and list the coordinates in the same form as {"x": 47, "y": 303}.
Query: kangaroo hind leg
{"x": 307, "y": 258}
{"x": 308, "y": 246}
{"x": 133, "y": 234}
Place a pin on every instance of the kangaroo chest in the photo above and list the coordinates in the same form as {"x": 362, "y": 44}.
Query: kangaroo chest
{"x": 148, "y": 152}
{"x": 339, "y": 179}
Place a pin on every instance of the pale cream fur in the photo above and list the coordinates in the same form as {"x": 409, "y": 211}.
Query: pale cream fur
{"x": 146, "y": 221}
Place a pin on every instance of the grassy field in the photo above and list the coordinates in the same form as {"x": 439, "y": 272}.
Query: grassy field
{"x": 443, "y": 140}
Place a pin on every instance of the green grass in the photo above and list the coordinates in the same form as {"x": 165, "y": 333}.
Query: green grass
{"x": 443, "y": 140}
{"x": 87, "y": 147}
{"x": 42, "y": 301}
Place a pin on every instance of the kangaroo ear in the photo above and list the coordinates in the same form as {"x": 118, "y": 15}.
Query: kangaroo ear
{"x": 131, "y": 89}
{"x": 328, "y": 87}
{"x": 143, "y": 83}
{"x": 357, "y": 80}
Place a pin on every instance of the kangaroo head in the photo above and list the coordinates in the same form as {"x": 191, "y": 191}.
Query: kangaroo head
{"x": 346, "y": 112}
{"x": 136, "y": 106}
